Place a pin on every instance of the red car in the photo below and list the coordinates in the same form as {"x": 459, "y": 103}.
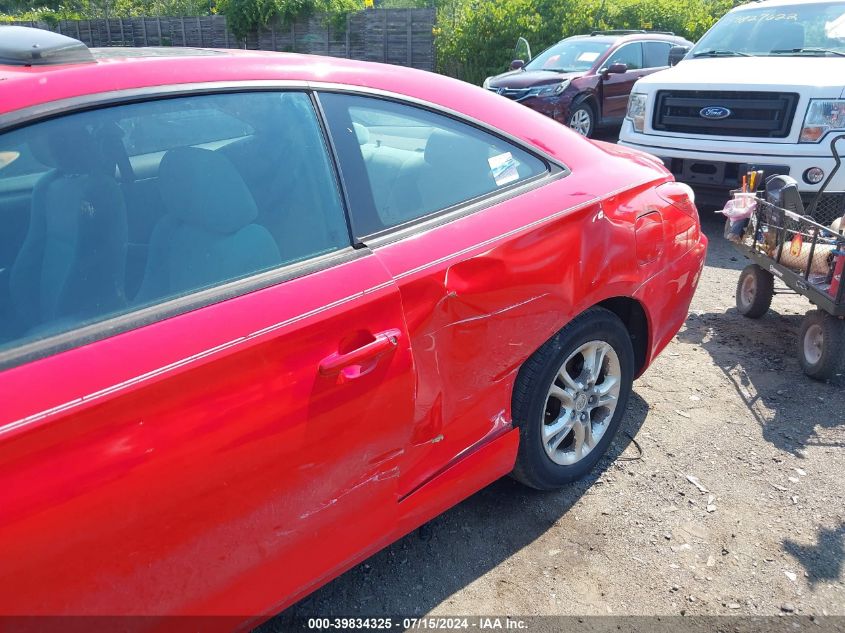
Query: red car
{"x": 584, "y": 81}
{"x": 264, "y": 314}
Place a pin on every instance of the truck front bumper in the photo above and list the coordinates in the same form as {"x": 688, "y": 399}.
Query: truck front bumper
{"x": 712, "y": 174}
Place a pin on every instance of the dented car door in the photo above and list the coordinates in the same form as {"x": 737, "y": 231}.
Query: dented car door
{"x": 478, "y": 289}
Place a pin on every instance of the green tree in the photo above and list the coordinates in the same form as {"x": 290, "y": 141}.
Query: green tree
{"x": 245, "y": 16}
{"x": 476, "y": 38}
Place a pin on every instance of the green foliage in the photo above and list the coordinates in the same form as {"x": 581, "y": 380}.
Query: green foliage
{"x": 404, "y": 4}
{"x": 51, "y": 11}
{"x": 245, "y": 16}
{"x": 48, "y": 15}
{"x": 138, "y": 8}
{"x": 476, "y": 38}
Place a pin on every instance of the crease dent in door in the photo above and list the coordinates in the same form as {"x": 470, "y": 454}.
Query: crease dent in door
{"x": 471, "y": 324}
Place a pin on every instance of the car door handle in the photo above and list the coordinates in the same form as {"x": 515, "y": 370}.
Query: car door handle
{"x": 381, "y": 343}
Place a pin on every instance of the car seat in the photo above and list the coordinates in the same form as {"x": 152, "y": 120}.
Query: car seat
{"x": 208, "y": 235}
{"x": 456, "y": 169}
{"x": 71, "y": 264}
{"x": 285, "y": 165}
{"x": 392, "y": 173}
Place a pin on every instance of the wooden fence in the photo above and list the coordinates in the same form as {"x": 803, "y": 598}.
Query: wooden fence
{"x": 393, "y": 36}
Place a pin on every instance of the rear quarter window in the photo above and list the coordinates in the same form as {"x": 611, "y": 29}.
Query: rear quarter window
{"x": 402, "y": 163}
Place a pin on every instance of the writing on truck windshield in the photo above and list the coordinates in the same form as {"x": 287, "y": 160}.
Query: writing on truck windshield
{"x": 804, "y": 28}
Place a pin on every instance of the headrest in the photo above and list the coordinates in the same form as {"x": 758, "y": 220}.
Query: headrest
{"x": 72, "y": 150}
{"x": 446, "y": 148}
{"x": 362, "y": 133}
{"x": 203, "y": 188}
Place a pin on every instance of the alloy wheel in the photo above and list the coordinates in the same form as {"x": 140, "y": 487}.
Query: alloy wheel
{"x": 581, "y": 402}
{"x": 581, "y": 122}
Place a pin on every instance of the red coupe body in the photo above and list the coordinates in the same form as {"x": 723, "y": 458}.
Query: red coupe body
{"x": 225, "y": 452}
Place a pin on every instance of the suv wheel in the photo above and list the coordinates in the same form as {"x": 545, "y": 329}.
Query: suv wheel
{"x": 582, "y": 119}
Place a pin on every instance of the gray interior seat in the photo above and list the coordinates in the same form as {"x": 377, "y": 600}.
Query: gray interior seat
{"x": 407, "y": 184}
{"x": 456, "y": 169}
{"x": 390, "y": 170}
{"x": 208, "y": 235}
{"x": 72, "y": 262}
{"x": 291, "y": 205}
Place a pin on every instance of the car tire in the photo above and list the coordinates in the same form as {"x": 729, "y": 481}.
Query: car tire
{"x": 754, "y": 292}
{"x": 555, "y": 390}
{"x": 582, "y": 118}
{"x": 821, "y": 345}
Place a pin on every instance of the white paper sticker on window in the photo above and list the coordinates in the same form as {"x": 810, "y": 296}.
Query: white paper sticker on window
{"x": 588, "y": 56}
{"x": 504, "y": 169}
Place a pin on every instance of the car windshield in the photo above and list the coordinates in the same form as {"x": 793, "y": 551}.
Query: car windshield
{"x": 569, "y": 56}
{"x": 806, "y": 28}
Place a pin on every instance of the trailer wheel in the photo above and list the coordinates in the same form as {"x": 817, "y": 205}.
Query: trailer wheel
{"x": 821, "y": 345}
{"x": 754, "y": 292}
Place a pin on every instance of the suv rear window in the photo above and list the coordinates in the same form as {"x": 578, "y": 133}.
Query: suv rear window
{"x": 656, "y": 54}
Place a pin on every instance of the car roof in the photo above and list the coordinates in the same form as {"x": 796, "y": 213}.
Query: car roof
{"x": 115, "y": 75}
{"x": 628, "y": 37}
{"x": 122, "y": 69}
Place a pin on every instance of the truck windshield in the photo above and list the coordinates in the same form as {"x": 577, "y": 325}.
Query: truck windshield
{"x": 569, "y": 56}
{"x": 805, "y": 28}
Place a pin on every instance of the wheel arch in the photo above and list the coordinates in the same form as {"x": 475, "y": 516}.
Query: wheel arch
{"x": 591, "y": 100}
{"x": 633, "y": 315}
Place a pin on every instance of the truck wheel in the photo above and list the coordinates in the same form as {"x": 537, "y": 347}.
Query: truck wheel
{"x": 754, "y": 292}
{"x": 821, "y": 345}
{"x": 582, "y": 119}
{"x": 569, "y": 399}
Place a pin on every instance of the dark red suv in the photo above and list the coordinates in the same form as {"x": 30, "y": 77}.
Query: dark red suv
{"x": 584, "y": 81}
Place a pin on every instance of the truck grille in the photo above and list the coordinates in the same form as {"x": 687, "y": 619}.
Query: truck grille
{"x": 830, "y": 206}
{"x": 757, "y": 114}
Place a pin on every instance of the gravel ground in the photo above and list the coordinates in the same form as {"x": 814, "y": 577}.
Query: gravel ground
{"x": 731, "y": 499}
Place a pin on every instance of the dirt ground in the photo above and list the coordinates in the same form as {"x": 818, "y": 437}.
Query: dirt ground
{"x": 726, "y": 405}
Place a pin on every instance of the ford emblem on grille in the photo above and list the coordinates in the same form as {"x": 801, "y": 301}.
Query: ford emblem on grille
{"x": 715, "y": 112}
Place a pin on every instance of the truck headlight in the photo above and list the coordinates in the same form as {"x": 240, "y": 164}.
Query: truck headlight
{"x": 823, "y": 115}
{"x": 637, "y": 103}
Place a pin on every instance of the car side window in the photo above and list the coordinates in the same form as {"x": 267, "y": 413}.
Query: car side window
{"x": 129, "y": 206}
{"x": 631, "y": 55}
{"x": 656, "y": 54}
{"x": 402, "y": 163}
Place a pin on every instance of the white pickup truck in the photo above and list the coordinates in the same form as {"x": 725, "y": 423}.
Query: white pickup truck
{"x": 763, "y": 89}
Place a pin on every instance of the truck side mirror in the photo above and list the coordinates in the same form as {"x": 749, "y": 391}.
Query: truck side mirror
{"x": 677, "y": 53}
{"x": 617, "y": 69}
{"x": 517, "y": 64}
